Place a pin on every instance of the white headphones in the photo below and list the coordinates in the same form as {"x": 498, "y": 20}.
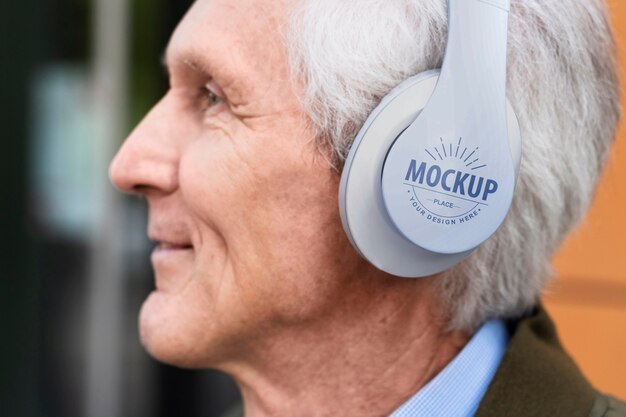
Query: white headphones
{"x": 431, "y": 174}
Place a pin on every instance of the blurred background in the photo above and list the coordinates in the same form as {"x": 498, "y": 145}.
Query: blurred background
{"x": 76, "y": 75}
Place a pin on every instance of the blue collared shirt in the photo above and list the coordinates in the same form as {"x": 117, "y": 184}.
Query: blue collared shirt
{"x": 458, "y": 389}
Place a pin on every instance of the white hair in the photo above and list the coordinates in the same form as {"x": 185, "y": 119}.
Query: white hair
{"x": 562, "y": 82}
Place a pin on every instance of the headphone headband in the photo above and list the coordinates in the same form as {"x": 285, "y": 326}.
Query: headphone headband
{"x": 474, "y": 66}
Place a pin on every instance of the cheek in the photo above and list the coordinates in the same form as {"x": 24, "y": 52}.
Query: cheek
{"x": 273, "y": 201}
{"x": 292, "y": 229}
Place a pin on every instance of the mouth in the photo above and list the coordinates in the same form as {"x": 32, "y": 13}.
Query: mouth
{"x": 169, "y": 251}
{"x": 172, "y": 263}
{"x": 168, "y": 246}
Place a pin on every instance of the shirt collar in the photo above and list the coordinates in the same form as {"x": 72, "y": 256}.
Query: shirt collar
{"x": 458, "y": 389}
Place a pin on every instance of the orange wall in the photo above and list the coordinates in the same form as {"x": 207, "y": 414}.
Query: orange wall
{"x": 588, "y": 299}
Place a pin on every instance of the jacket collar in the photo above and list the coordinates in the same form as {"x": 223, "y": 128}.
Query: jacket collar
{"x": 536, "y": 377}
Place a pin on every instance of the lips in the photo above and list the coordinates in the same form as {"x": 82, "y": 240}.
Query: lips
{"x": 170, "y": 251}
{"x": 173, "y": 246}
{"x": 172, "y": 259}
{"x": 171, "y": 238}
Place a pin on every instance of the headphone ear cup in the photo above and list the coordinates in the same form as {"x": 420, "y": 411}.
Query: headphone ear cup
{"x": 363, "y": 211}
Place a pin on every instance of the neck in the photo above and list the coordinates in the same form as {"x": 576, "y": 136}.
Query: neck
{"x": 365, "y": 358}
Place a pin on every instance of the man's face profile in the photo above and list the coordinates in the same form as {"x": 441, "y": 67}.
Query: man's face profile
{"x": 240, "y": 199}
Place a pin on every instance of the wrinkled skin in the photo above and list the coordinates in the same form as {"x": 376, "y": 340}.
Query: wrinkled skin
{"x": 240, "y": 180}
{"x": 254, "y": 274}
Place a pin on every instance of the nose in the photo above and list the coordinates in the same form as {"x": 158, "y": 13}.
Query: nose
{"x": 148, "y": 159}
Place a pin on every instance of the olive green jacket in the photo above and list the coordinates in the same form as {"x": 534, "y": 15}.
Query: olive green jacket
{"x": 536, "y": 378}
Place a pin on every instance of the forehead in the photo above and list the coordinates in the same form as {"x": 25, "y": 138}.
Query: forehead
{"x": 239, "y": 32}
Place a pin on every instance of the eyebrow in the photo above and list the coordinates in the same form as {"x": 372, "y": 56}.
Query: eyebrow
{"x": 199, "y": 61}
{"x": 189, "y": 58}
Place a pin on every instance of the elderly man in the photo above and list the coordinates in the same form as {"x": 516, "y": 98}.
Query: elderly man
{"x": 240, "y": 163}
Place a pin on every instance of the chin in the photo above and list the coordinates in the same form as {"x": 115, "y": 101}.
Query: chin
{"x": 164, "y": 336}
{"x": 179, "y": 331}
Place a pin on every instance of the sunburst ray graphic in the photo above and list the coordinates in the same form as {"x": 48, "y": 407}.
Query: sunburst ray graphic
{"x": 445, "y": 151}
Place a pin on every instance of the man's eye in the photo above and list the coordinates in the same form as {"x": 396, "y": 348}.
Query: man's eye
{"x": 210, "y": 98}
{"x": 211, "y": 95}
